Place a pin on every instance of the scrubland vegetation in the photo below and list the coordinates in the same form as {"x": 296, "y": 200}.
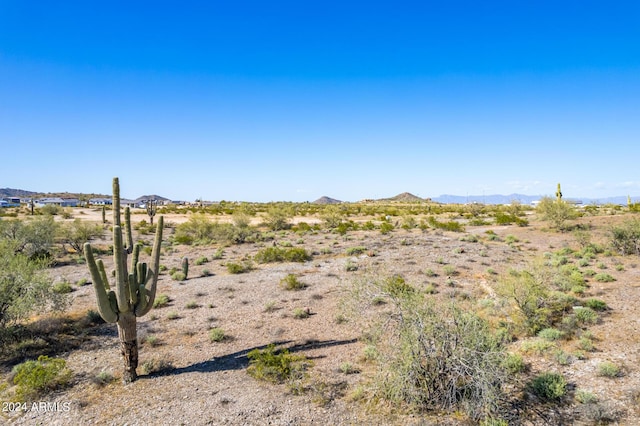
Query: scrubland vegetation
{"x": 401, "y": 312}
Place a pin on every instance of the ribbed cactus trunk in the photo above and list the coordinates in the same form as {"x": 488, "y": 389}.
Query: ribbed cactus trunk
{"x": 128, "y": 335}
{"x": 134, "y": 291}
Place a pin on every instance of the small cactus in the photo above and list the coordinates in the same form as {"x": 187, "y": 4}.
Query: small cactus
{"x": 559, "y": 193}
{"x": 185, "y": 267}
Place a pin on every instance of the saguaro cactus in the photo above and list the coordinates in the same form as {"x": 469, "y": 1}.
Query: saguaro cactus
{"x": 559, "y": 193}
{"x": 134, "y": 292}
{"x": 152, "y": 208}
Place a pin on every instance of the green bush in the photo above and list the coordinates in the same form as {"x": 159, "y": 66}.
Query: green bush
{"x": 291, "y": 282}
{"x": 178, "y": 276}
{"x": 276, "y": 366}
{"x": 161, "y": 300}
{"x": 603, "y": 278}
{"x": 35, "y": 378}
{"x": 201, "y": 260}
{"x": 550, "y": 334}
{"x": 354, "y": 251}
{"x": 62, "y": 287}
{"x": 608, "y": 369}
{"x": 585, "y": 315}
{"x": 625, "y": 238}
{"x": 217, "y": 334}
{"x": 513, "y": 364}
{"x": 596, "y": 304}
{"x": 238, "y": 268}
{"x": 548, "y": 386}
{"x": 277, "y": 254}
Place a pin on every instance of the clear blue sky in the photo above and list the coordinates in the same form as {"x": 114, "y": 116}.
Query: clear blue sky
{"x": 292, "y": 100}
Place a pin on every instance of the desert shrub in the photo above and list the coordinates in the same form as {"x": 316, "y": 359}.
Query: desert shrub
{"x": 386, "y": 227}
{"x": 277, "y": 218}
{"x": 603, "y": 278}
{"x": 625, "y": 238}
{"x": 218, "y": 254}
{"x": 548, "y": 386}
{"x": 199, "y": 229}
{"x": 550, "y": 334}
{"x": 596, "y": 304}
{"x": 557, "y": 212}
{"x": 585, "y": 315}
{"x": 161, "y": 301}
{"x": 238, "y": 268}
{"x": 157, "y": 366}
{"x": 62, "y": 287}
{"x": 276, "y": 366}
{"x": 217, "y": 334}
{"x": 201, "y": 260}
{"x": 103, "y": 378}
{"x": 446, "y": 226}
{"x": 354, "y": 251}
{"x": 608, "y": 369}
{"x": 585, "y": 397}
{"x": 24, "y": 287}
{"x": 277, "y": 254}
{"x": 513, "y": 363}
{"x": 301, "y": 313}
{"x": 291, "y": 282}
{"x": 78, "y": 232}
{"x": 503, "y": 218}
{"x": 178, "y": 276}
{"x": 432, "y": 356}
{"x": 35, "y": 378}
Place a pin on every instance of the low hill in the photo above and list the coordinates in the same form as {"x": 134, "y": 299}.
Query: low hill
{"x": 405, "y": 197}
{"x": 326, "y": 200}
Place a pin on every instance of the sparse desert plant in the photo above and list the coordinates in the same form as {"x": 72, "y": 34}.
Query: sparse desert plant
{"x": 550, "y": 334}
{"x": 103, "y": 378}
{"x": 596, "y": 304}
{"x": 276, "y": 366}
{"x": 603, "y": 278}
{"x": 35, "y": 378}
{"x": 62, "y": 287}
{"x": 161, "y": 300}
{"x": 178, "y": 276}
{"x": 608, "y": 369}
{"x": 291, "y": 282}
{"x": 152, "y": 340}
{"x": 353, "y": 251}
{"x": 348, "y": 368}
{"x": 277, "y": 254}
{"x": 625, "y": 238}
{"x": 205, "y": 273}
{"x": 548, "y": 386}
{"x": 217, "y": 334}
{"x": 201, "y": 260}
{"x": 192, "y": 305}
{"x": 513, "y": 363}
{"x": 585, "y": 315}
{"x": 301, "y": 313}
{"x": 157, "y": 366}
{"x": 556, "y": 211}
{"x": 238, "y": 268}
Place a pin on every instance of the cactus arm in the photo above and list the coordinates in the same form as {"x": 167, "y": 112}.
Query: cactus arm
{"x": 134, "y": 262}
{"x": 106, "y": 310}
{"x": 103, "y": 274}
{"x": 122, "y": 278}
{"x": 116, "y": 202}
{"x": 143, "y": 301}
{"x": 133, "y": 289}
{"x": 151, "y": 279}
{"x": 127, "y": 229}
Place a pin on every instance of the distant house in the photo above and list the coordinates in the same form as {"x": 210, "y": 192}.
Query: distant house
{"x": 9, "y": 202}
{"x": 100, "y": 201}
{"x": 56, "y": 201}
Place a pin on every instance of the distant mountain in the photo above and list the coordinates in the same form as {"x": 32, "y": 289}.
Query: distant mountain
{"x": 9, "y": 192}
{"x": 406, "y": 197}
{"x": 326, "y": 200}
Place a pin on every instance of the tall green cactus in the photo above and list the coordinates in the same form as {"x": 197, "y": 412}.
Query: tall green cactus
{"x": 559, "y": 193}
{"x": 133, "y": 292}
{"x": 152, "y": 208}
